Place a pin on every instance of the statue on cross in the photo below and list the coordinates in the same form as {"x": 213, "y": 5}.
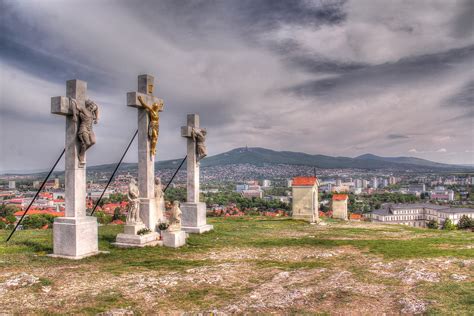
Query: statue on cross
{"x": 154, "y": 125}
{"x": 199, "y": 135}
{"x": 88, "y": 115}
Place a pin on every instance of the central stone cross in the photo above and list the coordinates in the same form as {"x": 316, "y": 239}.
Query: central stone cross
{"x": 146, "y": 158}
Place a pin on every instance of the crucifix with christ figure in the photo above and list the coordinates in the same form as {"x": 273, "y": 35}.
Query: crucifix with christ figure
{"x": 148, "y": 108}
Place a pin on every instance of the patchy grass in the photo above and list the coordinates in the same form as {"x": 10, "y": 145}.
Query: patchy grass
{"x": 450, "y": 298}
{"x": 216, "y": 276}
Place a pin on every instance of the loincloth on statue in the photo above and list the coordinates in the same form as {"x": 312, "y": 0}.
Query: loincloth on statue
{"x": 153, "y": 127}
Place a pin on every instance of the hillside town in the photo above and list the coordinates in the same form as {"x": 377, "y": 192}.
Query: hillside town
{"x": 365, "y": 195}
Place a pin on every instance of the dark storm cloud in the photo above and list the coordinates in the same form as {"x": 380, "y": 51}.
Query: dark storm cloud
{"x": 364, "y": 79}
{"x": 397, "y": 136}
{"x": 463, "y": 98}
{"x": 329, "y": 77}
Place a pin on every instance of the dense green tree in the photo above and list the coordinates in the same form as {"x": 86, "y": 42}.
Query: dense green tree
{"x": 448, "y": 225}
{"x": 116, "y": 213}
{"x": 175, "y": 194}
{"x": 465, "y": 222}
{"x": 433, "y": 224}
{"x": 6, "y": 210}
{"x": 10, "y": 218}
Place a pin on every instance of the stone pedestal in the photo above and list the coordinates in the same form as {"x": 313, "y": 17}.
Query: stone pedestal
{"x": 174, "y": 239}
{"x": 194, "y": 218}
{"x": 129, "y": 237}
{"x": 75, "y": 237}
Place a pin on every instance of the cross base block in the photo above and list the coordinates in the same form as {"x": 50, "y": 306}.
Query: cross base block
{"x": 174, "y": 239}
{"x": 194, "y": 218}
{"x": 75, "y": 237}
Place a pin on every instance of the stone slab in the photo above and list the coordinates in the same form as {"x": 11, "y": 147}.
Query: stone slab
{"x": 75, "y": 238}
{"x": 308, "y": 218}
{"x": 132, "y": 229}
{"x": 130, "y": 241}
{"x": 197, "y": 230}
{"x": 174, "y": 239}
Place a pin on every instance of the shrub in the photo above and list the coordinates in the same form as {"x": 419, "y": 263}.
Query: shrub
{"x": 11, "y": 219}
{"x": 103, "y": 218}
{"x": 465, "y": 222}
{"x": 143, "y": 231}
{"x": 448, "y": 225}
{"x": 433, "y": 224}
{"x": 3, "y": 225}
{"x": 163, "y": 226}
{"x": 37, "y": 221}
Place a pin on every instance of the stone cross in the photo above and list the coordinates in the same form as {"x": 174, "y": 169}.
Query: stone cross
{"x": 193, "y": 211}
{"x": 75, "y": 236}
{"x": 75, "y": 174}
{"x": 192, "y": 163}
{"x": 146, "y": 161}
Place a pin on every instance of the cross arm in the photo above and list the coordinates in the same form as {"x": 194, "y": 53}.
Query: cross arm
{"x": 61, "y": 106}
{"x": 187, "y": 131}
{"x": 132, "y": 99}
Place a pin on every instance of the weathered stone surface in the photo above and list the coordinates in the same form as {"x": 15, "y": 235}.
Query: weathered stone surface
{"x": 193, "y": 212}
{"x": 146, "y": 162}
{"x": 174, "y": 239}
{"x": 133, "y": 229}
{"x": 75, "y": 237}
{"x": 194, "y": 218}
{"x": 128, "y": 241}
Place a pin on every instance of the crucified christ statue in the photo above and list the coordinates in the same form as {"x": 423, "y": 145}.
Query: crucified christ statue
{"x": 87, "y": 115}
{"x": 154, "y": 125}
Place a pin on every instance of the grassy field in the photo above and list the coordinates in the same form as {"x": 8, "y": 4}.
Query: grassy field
{"x": 249, "y": 265}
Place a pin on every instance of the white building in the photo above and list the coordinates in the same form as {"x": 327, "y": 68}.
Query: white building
{"x": 418, "y": 215}
{"x": 11, "y": 184}
{"x": 305, "y": 204}
{"x": 266, "y": 183}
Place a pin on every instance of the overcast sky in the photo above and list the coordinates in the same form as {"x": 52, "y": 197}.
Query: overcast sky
{"x": 341, "y": 78}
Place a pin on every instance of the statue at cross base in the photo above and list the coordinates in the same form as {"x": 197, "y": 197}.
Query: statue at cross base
{"x": 175, "y": 218}
{"x": 87, "y": 115}
{"x": 154, "y": 125}
{"x": 133, "y": 215}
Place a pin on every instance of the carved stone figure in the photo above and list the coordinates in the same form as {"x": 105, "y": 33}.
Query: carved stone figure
{"x": 199, "y": 135}
{"x": 175, "y": 219}
{"x": 159, "y": 198}
{"x": 133, "y": 215}
{"x": 154, "y": 125}
{"x": 88, "y": 115}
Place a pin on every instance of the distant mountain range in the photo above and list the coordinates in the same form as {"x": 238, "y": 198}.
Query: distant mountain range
{"x": 261, "y": 156}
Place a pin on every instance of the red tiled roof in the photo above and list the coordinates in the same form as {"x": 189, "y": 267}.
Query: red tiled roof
{"x": 339, "y": 197}
{"x": 355, "y": 216}
{"x": 304, "y": 181}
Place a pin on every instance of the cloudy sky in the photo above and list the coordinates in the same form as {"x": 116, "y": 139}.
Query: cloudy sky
{"x": 342, "y": 78}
